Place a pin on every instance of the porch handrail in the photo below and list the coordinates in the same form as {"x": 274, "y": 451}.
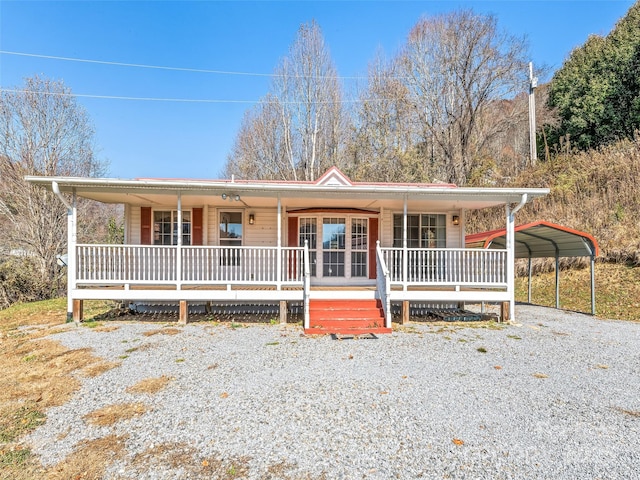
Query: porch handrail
{"x": 383, "y": 285}
{"x": 157, "y": 264}
{"x": 448, "y": 266}
{"x": 307, "y": 283}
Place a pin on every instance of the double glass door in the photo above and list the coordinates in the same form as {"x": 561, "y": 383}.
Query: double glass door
{"x": 338, "y": 246}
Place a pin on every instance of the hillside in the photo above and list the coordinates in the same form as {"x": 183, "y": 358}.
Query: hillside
{"x": 596, "y": 191}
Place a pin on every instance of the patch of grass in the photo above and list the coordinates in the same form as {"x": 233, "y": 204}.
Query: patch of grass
{"x": 111, "y": 414}
{"x": 123, "y": 357}
{"x": 514, "y": 337}
{"x": 35, "y": 374}
{"x": 617, "y": 291}
{"x": 179, "y": 360}
{"x": 481, "y": 350}
{"x": 273, "y": 343}
{"x": 47, "y": 312}
{"x": 90, "y": 459}
{"x": 190, "y": 462}
{"x": 150, "y": 385}
{"x": 99, "y": 368}
{"x": 107, "y": 328}
{"x": 131, "y": 350}
{"x": 162, "y": 331}
{"x": 16, "y": 422}
{"x": 18, "y": 463}
{"x": 14, "y": 457}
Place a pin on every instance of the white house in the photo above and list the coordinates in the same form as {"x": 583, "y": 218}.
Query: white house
{"x": 347, "y": 250}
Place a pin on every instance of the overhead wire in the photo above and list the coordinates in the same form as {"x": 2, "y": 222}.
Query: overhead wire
{"x": 177, "y": 69}
{"x": 171, "y": 68}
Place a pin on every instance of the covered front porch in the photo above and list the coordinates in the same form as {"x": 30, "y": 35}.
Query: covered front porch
{"x": 223, "y": 274}
{"x": 310, "y": 242}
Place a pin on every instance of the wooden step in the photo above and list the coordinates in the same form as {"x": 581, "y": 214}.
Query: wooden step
{"x": 348, "y": 317}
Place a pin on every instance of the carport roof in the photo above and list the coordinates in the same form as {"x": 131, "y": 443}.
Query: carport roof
{"x": 539, "y": 240}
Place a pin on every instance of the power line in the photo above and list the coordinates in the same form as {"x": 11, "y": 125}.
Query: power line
{"x": 174, "y": 100}
{"x": 176, "y": 69}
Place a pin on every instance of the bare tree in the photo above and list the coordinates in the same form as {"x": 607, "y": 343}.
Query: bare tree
{"x": 305, "y": 137}
{"x": 455, "y": 65}
{"x": 260, "y": 148}
{"x": 385, "y": 144}
{"x": 43, "y": 131}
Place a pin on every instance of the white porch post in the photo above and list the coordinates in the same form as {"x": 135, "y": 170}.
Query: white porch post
{"x": 279, "y": 248}
{"x": 179, "y": 245}
{"x": 405, "y": 252}
{"x": 511, "y": 254}
{"x": 72, "y": 240}
{"x": 511, "y": 261}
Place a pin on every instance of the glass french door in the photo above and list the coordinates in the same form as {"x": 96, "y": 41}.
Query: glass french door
{"x": 333, "y": 247}
{"x": 338, "y": 246}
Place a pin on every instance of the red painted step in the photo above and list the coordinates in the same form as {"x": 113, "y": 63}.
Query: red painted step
{"x": 351, "y": 317}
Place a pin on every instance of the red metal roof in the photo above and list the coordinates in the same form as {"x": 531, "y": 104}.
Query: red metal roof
{"x": 539, "y": 239}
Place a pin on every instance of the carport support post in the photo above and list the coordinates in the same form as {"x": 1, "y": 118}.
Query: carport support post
{"x": 283, "y": 312}
{"x": 529, "y": 284}
{"x": 557, "y": 281}
{"x": 593, "y": 285}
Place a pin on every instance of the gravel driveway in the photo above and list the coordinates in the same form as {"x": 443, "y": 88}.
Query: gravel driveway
{"x": 557, "y": 396}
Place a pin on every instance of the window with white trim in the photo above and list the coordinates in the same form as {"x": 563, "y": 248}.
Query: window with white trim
{"x": 165, "y": 227}
{"x": 230, "y": 236}
{"x": 423, "y": 231}
{"x": 359, "y": 247}
{"x": 308, "y": 230}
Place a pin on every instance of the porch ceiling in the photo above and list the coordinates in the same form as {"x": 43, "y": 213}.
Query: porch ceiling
{"x": 293, "y": 195}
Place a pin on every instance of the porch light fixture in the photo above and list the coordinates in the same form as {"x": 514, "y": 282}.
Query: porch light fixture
{"x": 235, "y": 197}
{"x": 455, "y": 220}
{"x": 252, "y": 219}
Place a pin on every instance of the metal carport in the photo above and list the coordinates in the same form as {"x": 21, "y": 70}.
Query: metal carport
{"x": 543, "y": 240}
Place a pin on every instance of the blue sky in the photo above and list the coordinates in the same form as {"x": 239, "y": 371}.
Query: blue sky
{"x": 192, "y": 140}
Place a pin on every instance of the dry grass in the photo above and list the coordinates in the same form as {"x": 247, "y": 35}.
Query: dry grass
{"x": 90, "y": 459}
{"x": 99, "y": 368}
{"x": 106, "y": 328}
{"x": 194, "y": 466}
{"x": 617, "y": 291}
{"x": 163, "y": 331}
{"x": 112, "y": 414}
{"x": 631, "y": 413}
{"x": 35, "y": 374}
{"x": 594, "y": 191}
{"x": 150, "y": 385}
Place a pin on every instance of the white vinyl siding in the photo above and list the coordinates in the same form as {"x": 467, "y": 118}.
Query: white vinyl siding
{"x": 264, "y": 232}
{"x": 134, "y": 226}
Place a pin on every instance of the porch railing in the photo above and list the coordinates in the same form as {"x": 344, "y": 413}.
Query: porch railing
{"x": 147, "y": 264}
{"x": 448, "y": 266}
{"x": 383, "y": 285}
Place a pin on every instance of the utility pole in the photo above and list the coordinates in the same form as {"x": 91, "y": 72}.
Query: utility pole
{"x": 533, "y": 83}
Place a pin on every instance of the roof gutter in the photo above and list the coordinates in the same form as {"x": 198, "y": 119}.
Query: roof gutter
{"x": 522, "y": 203}
{"x": 56, "y": 190}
